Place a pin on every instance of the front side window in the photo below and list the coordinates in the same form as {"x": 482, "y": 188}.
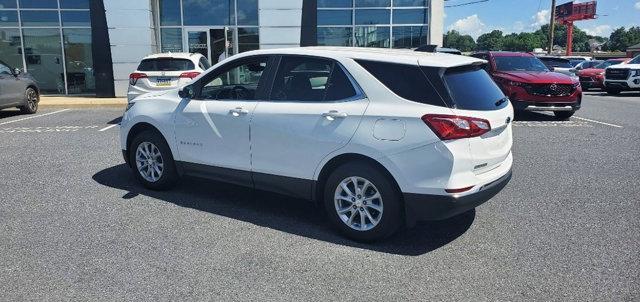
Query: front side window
{"x": 239, "y": 82}
{"x": 4, "y": 69}
{"x": 519, "y": 63}
{"x": 304, "y": 79}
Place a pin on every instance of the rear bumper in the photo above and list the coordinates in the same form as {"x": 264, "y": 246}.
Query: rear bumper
{"x": 419, "y": 207}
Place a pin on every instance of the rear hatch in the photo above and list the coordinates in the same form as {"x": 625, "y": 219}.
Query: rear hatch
{"x": 163, "y": 73}
{"x": 470, "y": 92}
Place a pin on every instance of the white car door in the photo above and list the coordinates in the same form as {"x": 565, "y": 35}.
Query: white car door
{"x": 314, "y": 109}
{"x": 212, "y": 129}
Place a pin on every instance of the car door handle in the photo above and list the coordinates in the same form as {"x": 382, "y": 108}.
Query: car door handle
{"x": 239, "y": 111}
{"x": 333, "y": 114}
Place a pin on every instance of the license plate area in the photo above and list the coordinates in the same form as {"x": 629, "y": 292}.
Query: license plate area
{"x": 163, "y": 82}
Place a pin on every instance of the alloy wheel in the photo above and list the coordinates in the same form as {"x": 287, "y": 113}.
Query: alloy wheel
{"x": 149, "y": 161}
{"x": 32, "y": 99}
{"x": 358, "y": 203}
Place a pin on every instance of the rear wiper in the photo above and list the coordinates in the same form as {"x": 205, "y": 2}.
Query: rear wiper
{"x": 500, "y": 101}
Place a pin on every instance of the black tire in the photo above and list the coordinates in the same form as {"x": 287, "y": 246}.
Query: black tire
{"x": 169, "y": 176}
{"x": 391, "y": 215}
{"x": 31, "y": 99}
{"x": 563, "y": 115}
{"x": 612, "y": 91}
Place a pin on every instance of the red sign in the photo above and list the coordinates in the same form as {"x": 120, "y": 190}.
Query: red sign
{"x": 570, "y": 11}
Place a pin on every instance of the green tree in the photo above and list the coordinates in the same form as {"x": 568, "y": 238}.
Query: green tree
{"x": 620, "y": 39}
{"x": 490, "y": 41}
{"x": 454, "y": 39}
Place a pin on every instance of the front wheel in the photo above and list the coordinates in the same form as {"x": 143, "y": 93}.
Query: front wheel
{"x": 362, "y": 202}
{"x": 31, "y": 101}
{"x": 152, "y": 161}
{"x": 563, "y": 115}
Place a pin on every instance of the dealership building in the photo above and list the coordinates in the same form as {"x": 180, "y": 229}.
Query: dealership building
{"x": 89, "y": 47}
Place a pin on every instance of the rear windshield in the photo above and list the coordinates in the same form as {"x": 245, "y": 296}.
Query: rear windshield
{"x": 165, "y": 64}
{"x": 473, "y": 89}
{"x": 518, "y": 63}
{"x": 468, "y": 88}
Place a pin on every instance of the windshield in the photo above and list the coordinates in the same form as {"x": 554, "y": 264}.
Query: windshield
{"x": 165, "y": 64}
{"x": 635, "y": 60}
{"x": 519, "y": 64}
{"x": 607, "y": 63}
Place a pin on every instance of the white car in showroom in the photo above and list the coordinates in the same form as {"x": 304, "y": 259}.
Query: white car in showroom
{"x": 623, "y": 77}
{"x": 165, "y": 71}
{"x": 381, "y": 138}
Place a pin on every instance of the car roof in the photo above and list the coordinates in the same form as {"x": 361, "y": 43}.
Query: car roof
{"x": 400, "y": 56}
{"x": 177, "y": 55}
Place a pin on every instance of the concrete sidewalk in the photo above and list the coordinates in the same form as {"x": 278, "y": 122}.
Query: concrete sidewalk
{"x": 81, "y": 101}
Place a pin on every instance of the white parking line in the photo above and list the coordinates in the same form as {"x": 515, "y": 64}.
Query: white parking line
{"x": 107, "y": 128}
{"x": 597, "y": 122}
{"x": 33, "y": 116}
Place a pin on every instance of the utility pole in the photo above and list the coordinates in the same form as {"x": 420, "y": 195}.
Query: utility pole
{"x": 552, "y": 25}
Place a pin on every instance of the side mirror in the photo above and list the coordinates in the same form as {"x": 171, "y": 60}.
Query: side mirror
{"x": 187, "y": 92}
{"x": 17, "y": 71}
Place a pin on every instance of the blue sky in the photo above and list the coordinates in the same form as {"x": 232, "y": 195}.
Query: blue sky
{"x": 527, "y": 15}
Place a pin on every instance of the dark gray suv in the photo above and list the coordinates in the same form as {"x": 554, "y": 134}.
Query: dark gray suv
{"x": 18, "y": 89}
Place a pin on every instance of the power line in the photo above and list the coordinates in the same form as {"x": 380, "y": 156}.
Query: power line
{"x": 463, "y": 4}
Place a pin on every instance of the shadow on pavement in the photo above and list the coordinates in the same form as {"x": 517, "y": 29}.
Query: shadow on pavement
{"x": 282, "y": 213}
{"x": 9, "y": 113}
{"x": 534, "y": 117}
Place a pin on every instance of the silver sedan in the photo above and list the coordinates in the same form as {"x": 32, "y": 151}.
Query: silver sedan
{"x": 18, "y": 89}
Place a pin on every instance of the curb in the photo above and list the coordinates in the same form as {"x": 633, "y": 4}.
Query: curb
{"x": 82, "y": 101}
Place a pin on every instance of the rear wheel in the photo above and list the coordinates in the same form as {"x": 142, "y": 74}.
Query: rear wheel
{"x": 563, "y": 115}
{"x": 152, "y": 161}
{"x": 31, "y": 101}
{"x": 612, "y": 91}
{"x": 362, "y": 202}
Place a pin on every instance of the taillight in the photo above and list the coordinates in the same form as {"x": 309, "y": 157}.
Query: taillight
{"x": 448, "y": 127}
{"x": 133, "y": 78}
{"x": 190, "y": 74}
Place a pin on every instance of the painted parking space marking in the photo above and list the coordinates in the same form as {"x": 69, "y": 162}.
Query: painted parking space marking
{"x": 34, "y": 116}
{"x": 551, "y": 124}
{"x": 46, "y": 129}
{"x": 597, "y": 122}
{"x": 108, "y": 127}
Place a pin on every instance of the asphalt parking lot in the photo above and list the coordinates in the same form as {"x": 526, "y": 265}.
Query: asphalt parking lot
{"x": 75, "y": 225}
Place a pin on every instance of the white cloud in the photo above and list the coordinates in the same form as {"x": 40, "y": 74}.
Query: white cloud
{"x": 518, "y": 26}
{"x": 540, "y": 18}
{"x": 637, "y": 6}
{"x": 600, "y": 30}
{"x": 471, "y": 25}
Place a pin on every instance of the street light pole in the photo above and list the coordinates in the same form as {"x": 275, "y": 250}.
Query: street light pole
{"x": 552, "y": 25}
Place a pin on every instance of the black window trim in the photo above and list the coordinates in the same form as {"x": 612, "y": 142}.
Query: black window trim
{"x": 265, "y": 79}
{"x": 359, "y": 92}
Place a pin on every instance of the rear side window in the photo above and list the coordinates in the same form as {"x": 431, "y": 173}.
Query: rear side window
{"x": 473, "y": 89}
{"x": 407, "y": 81}
{"x": 306, "y": 79}
{"x": 165, "y": 64}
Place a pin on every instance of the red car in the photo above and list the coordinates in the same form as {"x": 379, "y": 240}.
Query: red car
{"x": 531, "y": 86}
{"x": 594, "y": 77}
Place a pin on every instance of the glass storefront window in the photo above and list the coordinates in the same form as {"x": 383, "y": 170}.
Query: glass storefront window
{"x": 373, "y": 16}
{"x": 373, "y": 3}
{"x": 171, "y": 39}
{"x": 372, "y": 36}
{"x": 8, "y": 18}
{"x": 74, "y": 4}
{"x": 43, "y": 54}
{"x": 38, "y": 4}
{"x": 76, "y": 18}
{"x": 7, "y": 3}
{"x": 170, "y": 12}
{"x": 10, "y": 51}
{"x": 335, "y": 17}
{"x": 410, "y": 16}
{"x": 39, "y": 18}
{"x": 414, "y": 3}
{"x": 206, "y": 12}
{"x": 79, "y": 60}
{"x": 409, "y": 36}
{"x": 247, "y": 12}
{"x": 335, "y": 3}
{"x": 335, "y": 36}
{"x": 248, "y": 39}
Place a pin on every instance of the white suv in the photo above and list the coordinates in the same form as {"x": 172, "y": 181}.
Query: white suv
{"x": 165, "y": 71}
{"x": 623, "y": 77}
{"x": 382, "y": 138}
